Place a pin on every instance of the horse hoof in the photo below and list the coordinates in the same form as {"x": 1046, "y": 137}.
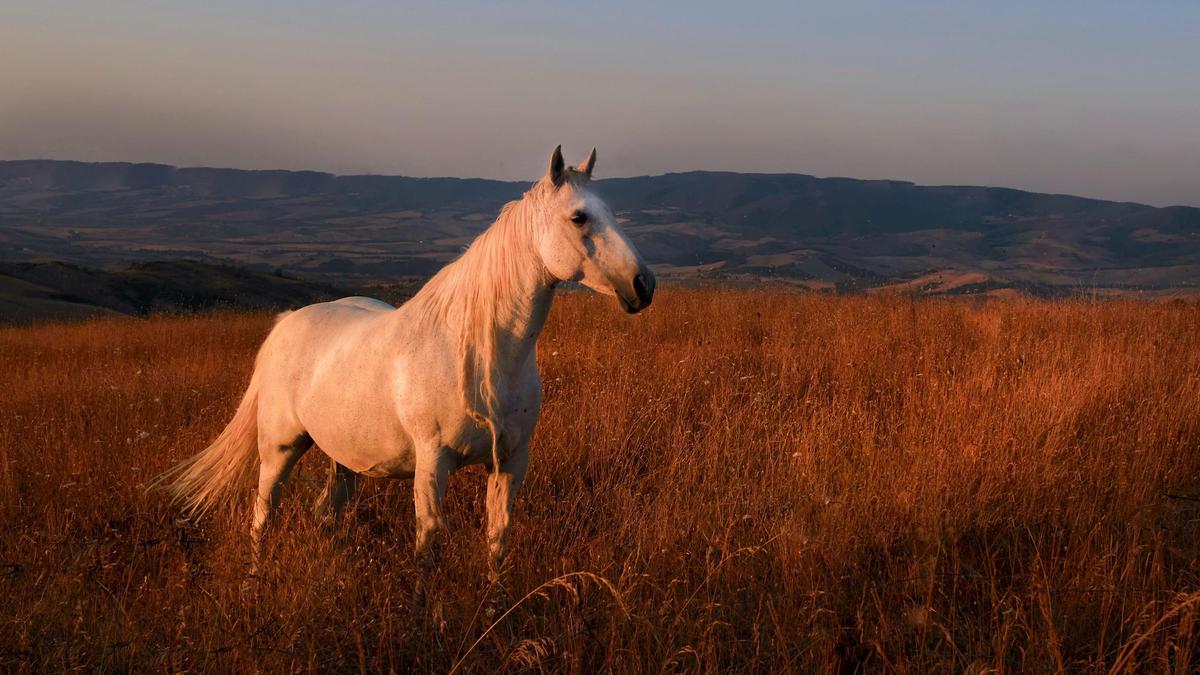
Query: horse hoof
{"x": 498, "y": 594}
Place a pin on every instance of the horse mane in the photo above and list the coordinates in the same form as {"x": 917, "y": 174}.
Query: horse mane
{"x": 482, "y": 291}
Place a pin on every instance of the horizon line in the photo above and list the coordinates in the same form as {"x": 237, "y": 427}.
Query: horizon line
{"x": 629, "y": 177}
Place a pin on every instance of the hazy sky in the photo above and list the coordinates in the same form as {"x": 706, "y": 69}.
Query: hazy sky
{"x": 1094, "y": 98}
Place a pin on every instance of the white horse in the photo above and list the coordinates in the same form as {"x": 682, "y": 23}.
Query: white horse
{"x": 448, "y": 379}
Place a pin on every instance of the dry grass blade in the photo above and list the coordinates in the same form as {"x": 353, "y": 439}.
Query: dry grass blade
{"x": 564, "y": 582}
{"x": 1186, "y": 603}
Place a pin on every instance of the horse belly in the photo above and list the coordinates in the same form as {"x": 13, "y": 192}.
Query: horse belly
{"x": 400, "y": 466}
{"x": 361, "y": 433}
{"x": 387, "y": 456}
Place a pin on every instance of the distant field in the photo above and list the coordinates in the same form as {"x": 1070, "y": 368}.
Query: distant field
{"x": 757, "y": 481}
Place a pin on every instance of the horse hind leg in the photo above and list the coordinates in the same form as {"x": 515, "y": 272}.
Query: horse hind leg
{"x": 276, "y": 461}
{"x": 339, "y": 488}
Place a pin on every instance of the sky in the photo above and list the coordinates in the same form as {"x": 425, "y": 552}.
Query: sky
{"x": 1094, "y": 98}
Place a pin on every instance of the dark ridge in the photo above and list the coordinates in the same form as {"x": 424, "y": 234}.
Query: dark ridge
{"x": 820, "y": 231}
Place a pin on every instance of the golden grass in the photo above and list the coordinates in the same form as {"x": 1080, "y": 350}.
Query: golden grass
{"x": 748, "y": 481}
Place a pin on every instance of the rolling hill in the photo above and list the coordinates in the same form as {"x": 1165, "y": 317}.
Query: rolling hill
{"x": 831, "y": 233}
{"x": 40, "y": 291}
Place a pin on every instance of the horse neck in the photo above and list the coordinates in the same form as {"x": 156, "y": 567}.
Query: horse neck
{"x": 498, "y": 294}
{"x": 517, "y": 335}
{"x": 522, "y": 300}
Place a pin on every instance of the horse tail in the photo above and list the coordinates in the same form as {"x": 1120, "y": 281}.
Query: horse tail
{"x": 217, "y": 472}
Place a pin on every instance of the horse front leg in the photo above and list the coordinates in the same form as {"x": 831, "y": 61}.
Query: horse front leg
{"x": 502, "y": 489}
{"x": 431, "y": 474}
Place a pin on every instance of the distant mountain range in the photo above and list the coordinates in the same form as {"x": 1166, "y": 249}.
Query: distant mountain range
{"x": 825, "y": 233}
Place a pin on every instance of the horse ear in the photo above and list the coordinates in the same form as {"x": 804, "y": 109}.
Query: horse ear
{"x": 586, "y": 167}
{"x": 557, "y": 171}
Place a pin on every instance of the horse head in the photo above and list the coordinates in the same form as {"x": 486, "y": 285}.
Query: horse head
{"x": 579, "y": 240}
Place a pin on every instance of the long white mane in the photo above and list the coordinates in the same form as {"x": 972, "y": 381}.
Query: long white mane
{"x": 479, "y": 294}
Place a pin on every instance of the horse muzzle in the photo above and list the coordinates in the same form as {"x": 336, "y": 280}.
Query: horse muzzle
{"x": 636, "y": 294}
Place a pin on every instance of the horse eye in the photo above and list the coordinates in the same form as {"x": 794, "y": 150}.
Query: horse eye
{"x": 579, "y": 218}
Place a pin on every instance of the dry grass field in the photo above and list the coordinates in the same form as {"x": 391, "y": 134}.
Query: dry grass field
{"x": 734, "y": 480}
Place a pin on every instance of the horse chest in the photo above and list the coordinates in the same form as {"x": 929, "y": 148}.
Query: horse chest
{"x": 473, "y": 442}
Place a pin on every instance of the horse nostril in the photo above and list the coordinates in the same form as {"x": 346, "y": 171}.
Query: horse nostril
{"x": 642, "y": 289}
